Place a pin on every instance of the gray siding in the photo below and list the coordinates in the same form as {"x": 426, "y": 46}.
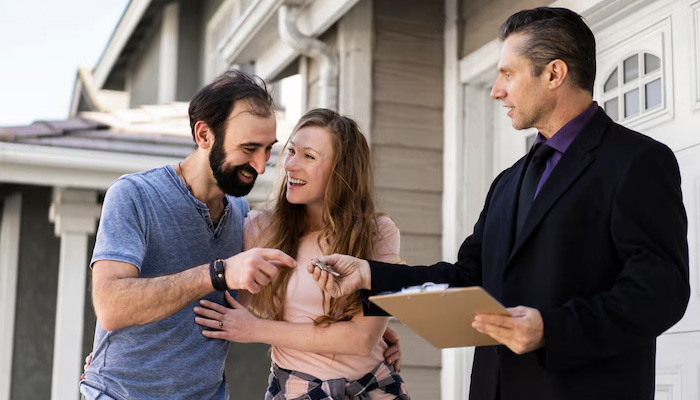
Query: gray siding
{"x": 36, "y": 298}
{"x": 247, "y": 368}
{"x": 408, "y": 64}
{"x": 407, "y": 137}
{"x": 189, "y": 53}
{"x": 145, "y": 70}
{"x": 482, "y": 18}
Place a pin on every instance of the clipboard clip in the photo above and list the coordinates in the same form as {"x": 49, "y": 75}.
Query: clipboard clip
{"x": 426, "y": 287}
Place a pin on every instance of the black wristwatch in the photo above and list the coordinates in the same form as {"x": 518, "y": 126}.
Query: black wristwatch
{"x": 217, "y": 274}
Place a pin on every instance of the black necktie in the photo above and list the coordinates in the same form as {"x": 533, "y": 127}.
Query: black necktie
{"x": 532, "y": 177}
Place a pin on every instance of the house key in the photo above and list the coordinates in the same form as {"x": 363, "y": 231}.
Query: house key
{"x": 320, "y": 264}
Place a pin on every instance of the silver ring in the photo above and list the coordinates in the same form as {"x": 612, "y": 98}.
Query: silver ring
{"x": 221, "y": 324}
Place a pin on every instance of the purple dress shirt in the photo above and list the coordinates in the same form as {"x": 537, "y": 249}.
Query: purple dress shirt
{"x": 561, "y": 140}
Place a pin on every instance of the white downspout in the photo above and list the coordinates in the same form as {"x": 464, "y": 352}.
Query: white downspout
{"x": 316, "y": 49}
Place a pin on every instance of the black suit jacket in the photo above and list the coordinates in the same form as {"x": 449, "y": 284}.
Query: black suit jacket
{"x": 602, "y": 255}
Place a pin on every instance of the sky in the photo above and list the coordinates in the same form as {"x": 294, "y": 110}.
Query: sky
{"x": 42, "y": 44}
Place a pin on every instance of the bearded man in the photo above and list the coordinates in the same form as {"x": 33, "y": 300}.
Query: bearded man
{"x": 171, "y": 236}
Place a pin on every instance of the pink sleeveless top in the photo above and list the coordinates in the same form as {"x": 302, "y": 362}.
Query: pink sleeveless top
{"x": 303, "y": 304}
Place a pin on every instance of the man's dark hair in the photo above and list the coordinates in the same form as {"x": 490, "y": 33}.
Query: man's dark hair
{"x": 213, "y": 103}
{"x": 555, "y": 33}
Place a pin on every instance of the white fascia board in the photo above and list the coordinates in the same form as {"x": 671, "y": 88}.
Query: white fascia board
{"x": 243, "y": 33}
{"x": 75, "y": 98}
{"x": 131, "y": 18}
{"x": 274, "y": 60}
{"x": 477, "y": 68}
{"x": 61, "y": 167}
{"x": 313, "y": 21}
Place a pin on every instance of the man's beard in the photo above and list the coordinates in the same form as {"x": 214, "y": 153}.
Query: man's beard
{"x": 227, "y": 177}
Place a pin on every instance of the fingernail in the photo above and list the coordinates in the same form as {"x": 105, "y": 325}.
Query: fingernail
{"x": 478, "y": 318}
{"x": 196, "y": 309}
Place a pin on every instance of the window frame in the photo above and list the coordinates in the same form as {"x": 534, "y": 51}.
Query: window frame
{"x": 640, "y": 83}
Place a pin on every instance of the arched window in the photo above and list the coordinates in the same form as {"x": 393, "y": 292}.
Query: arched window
{"x": 634, "y": 87}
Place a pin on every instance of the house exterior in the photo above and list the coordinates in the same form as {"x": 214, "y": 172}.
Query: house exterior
{"x": 415, "y": 74}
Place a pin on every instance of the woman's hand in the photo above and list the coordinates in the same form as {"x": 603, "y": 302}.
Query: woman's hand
{"x": 88, "y": 361}
{"x": 392, "y": 355}
{"x": 235, "y": 325}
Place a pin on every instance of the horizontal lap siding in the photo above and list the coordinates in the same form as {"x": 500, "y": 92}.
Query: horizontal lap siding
{"x": 407, "y": 143}
{"x": 483, "y": 18}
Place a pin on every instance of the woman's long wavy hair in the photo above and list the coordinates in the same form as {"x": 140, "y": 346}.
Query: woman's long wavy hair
{"x": 349, "y": 217}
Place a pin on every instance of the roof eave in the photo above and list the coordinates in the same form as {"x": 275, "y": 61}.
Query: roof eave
{"x": 120, "y": 37}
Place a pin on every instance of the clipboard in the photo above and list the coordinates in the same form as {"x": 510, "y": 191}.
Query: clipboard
{"x": 443, "y": 317}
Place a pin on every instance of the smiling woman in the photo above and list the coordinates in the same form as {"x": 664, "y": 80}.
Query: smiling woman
{"x": 308, "y": 165}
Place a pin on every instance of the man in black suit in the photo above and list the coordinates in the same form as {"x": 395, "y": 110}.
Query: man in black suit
{"x": 584, "y": 238}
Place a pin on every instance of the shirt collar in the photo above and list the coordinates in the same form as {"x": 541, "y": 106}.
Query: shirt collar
{"x": 564, "y": 136}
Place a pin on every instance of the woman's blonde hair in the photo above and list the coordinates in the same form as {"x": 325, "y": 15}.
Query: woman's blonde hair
{"x": 349, "y": 217}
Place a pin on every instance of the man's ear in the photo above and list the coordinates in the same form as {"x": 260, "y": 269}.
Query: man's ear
{"x": 203, "y": 135}
{"x": 556, "y": 72}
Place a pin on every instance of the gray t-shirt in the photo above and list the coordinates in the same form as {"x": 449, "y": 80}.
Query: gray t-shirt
{"x": 151, "y": 220}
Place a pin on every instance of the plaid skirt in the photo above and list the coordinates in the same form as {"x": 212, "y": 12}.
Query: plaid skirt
{"x": 382, "y": 378}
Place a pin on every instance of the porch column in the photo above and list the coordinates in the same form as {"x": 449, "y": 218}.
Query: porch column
{"x": 9, "y": 259}
{"x": 456, "y": 363}
{"x": 74, "y": 213}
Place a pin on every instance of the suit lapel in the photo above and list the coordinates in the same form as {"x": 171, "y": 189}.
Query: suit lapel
{"x": 572, "y": 164}
{"x": 511, "y": 193}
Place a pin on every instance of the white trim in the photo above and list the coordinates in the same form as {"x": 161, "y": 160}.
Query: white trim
{"x": 454, "y": 381}
{"x": 75, "y": 214}
{"x": 76, "y": 95}
{"x": 644, "y": 34}
{"x": 246, "y": 28}
{"x": 9, "y": 264}
{"x": 669, "y": 383}
{"x": 453, "y": 156}
{"x": 167, "y": 59}
{"x": 212, "y": 62}
{"x": 473, "y": 67}
{"x": 695, "y": 40}
{"x": 50, "y": 166}
{"x": 304, "y": 73}
{"x": 602, "y": 13}
{"x": 456, "y": 372}
{"x": 478, "y": 153}
{"x": 355, "y": 33}
{"x": 272, "y": 59}
{"x": 132, "y": 16}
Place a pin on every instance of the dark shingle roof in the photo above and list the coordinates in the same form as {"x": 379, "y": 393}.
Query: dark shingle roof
{"x": 83, "y": 133}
